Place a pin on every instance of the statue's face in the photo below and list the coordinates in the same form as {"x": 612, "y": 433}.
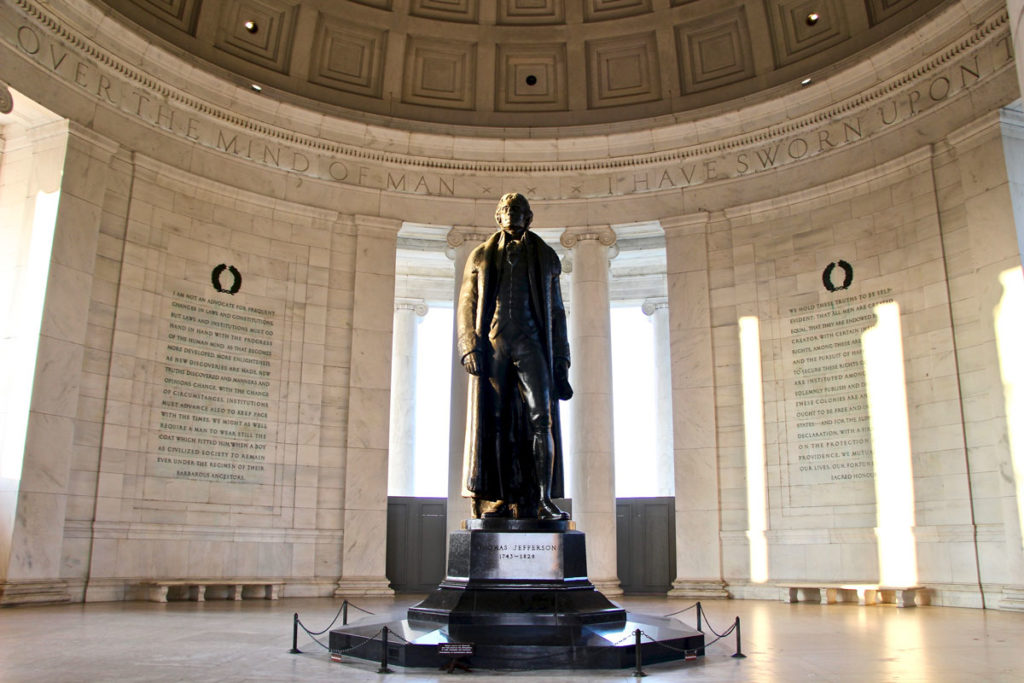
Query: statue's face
{"x": 513, "y": 217}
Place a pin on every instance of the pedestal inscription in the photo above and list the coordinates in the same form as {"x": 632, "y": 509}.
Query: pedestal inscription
{"x": 829, "y": 429}
{"x": 215, "y": 400}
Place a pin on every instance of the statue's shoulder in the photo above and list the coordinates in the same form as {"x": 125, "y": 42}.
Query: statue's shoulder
{"x": 480, "y": 251}
{"x": 545, "y": 251}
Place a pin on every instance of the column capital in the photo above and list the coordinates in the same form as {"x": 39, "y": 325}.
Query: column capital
{"x": 460, "y": 234}
{"x": 602, "y": 233}
{"x": 654, "y": 304}
{"x": 6, "y": 99}
{"x": 418, "y": 306}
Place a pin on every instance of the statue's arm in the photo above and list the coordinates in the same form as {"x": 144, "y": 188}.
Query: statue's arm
{"x": 559, "y": 341}
{"x": 559, "y": 333}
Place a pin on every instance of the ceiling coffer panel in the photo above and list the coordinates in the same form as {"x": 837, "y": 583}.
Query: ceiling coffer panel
{"x": 258, "y": 31}
{"x": 880, "y": 10}
{"x": 603, "y": 10}
{"x": 531, "y": 12}
{"x": 714, "y": 51}
{"x": 347, "y": 56}
{"x": 531, "y": 77}
{"x": 439, "y": 74}
{"x": 461, "y": 11}
{"x": 623, "y": 70}
{"x": 181, "y": 14}
{"x": 801, "y": 28}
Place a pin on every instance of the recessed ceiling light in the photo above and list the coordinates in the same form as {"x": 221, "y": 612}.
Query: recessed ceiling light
{"x": 812, "y": 18}
{"x": 806, "y": 81}
{"x": 256, "y": 87}
{"x": 251, "y": 26}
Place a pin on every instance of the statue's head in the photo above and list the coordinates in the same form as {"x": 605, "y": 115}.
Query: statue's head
{"x": 513, "y": 213}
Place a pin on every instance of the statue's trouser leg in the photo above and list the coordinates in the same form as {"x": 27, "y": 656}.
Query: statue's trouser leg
{"x": 535, "y": 386}
{"x": 544, "y": 461}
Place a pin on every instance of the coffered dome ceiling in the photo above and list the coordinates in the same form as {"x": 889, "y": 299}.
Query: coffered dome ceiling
{"x": 522, "y": 63}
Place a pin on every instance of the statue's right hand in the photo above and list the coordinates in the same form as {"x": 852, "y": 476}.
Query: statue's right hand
{"x": 471, "y": 361}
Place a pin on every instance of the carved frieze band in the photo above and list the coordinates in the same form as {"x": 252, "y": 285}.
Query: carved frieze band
{"x": 37, "y": 35}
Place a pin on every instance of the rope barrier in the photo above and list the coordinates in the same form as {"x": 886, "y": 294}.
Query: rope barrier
{"x": 366, "y": 639}
{"x": 685, "y": 609}
{"x": 297, "y": 623}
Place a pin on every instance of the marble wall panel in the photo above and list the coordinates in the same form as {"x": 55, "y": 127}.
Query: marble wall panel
{"x": 178, "y": 229}
{"x": 886, "y": 225}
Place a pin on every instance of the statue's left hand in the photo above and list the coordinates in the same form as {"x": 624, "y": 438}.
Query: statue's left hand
{"x": 562, "y": 387}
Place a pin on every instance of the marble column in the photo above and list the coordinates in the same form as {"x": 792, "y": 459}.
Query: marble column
{"x": 364, "y": 511}
{"x": 461, "y": 241}
{"x": 657, "y": 309}
{"x": 695, "y": 440}
{"x": 592, "y": 458}
{"x": 402, "y": 429}
{"x": 34, "y": 559}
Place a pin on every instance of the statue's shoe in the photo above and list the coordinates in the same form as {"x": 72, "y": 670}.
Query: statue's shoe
{"x": 501, "y": 510}
{"x": 548, "y": 510}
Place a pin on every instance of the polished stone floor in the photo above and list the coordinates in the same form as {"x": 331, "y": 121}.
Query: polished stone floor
{"x": 249, "y": 641}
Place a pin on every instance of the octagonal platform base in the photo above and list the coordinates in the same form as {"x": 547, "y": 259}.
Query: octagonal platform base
{"x": 599, "y": 646}
{"x": 517, "y": 596}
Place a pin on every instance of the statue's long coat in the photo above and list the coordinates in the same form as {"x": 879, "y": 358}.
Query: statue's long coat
{"x": 491, "y": 470}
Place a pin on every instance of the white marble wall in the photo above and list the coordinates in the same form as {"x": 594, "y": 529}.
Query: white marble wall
{"x": 979, "y": 240}
{"x": 32, "y": 157}
{"x": 767, "y": 258}
{"x": 34, "y": 569}
{"x": 182, "y": 171}
{"x": 148, "y": 524}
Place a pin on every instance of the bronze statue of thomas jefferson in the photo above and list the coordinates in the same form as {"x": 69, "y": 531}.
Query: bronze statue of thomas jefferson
{"x": 513, "y": 342}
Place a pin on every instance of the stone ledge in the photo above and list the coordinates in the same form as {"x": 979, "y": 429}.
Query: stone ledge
{"x": 699, "y": 590}
{"x": 33, "y": 592}
{"x": 363, "y": 586}
{"x": 865, "y": 593}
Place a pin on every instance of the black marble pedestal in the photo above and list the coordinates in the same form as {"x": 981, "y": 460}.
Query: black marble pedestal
{"x": 517, "y": 581}
{"x": 517, "y": 595}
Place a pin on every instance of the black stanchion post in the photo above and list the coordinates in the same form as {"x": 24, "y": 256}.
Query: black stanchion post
{"x": 739, "y": 649}
{"x": 295, "y": 636}
{"x": 344, "y": 613}
{"x": 699, "y": 613}
{"x": 384, "y": 652}
{"x": 639, "y": 673}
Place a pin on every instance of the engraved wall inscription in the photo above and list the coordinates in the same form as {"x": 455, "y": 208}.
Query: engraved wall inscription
{"x": 215, "y": 400}
{"x": 829, "y": 440}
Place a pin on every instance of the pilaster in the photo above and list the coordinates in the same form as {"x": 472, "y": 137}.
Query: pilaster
{"x": 698, "y": 546}
{"x": 33, "y": 570}
{"x": 366, "y": 459}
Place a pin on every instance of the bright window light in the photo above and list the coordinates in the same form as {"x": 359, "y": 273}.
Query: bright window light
{"x": 634, "y": 404}
{"x": 433, "y": 399}
{"x": 23, "y": 328}
{"x": 753, "y": 437}
{"x": 1009, "y": 324}
{"x": 890, "y": 446}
